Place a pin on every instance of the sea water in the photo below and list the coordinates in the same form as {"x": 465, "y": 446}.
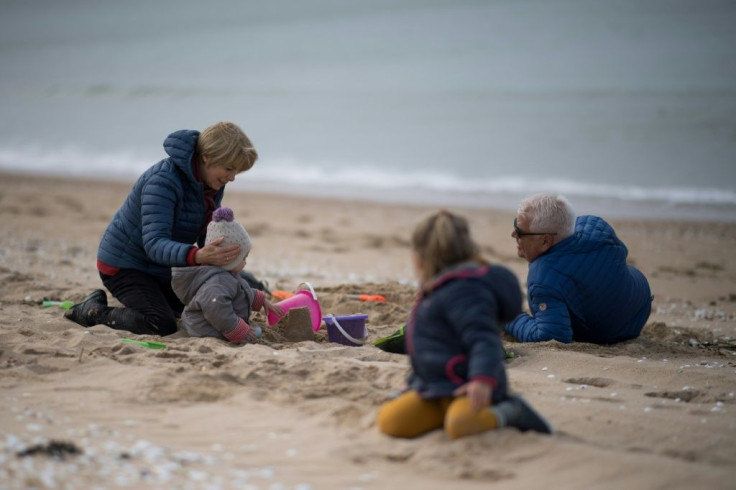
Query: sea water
{"x": 627, "y": 107}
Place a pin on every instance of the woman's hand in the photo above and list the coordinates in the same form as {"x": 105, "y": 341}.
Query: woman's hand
{"x": 478, "y": 393}
{"x": 215, "y": 254}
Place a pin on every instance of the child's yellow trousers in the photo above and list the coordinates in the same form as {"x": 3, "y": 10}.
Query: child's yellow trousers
{"x": 410, "y": 415}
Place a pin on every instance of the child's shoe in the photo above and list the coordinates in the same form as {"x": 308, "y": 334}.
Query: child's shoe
{"x": 516, "y": 412}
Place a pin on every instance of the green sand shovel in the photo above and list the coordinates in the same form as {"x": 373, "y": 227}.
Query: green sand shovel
{"x": 61, "y": 304}
{"x": 145, "y": 343}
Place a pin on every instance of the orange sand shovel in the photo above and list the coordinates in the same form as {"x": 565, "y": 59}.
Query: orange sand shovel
{"x": 368, "y": 297}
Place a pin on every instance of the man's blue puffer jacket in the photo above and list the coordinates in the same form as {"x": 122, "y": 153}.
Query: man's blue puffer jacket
{"x": 162, "y": 217}
{"x": 582, "y": 289}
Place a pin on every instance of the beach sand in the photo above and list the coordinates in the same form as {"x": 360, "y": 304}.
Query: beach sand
{"x": 655, "y": 412}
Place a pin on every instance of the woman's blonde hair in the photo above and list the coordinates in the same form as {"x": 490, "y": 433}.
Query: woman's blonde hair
{"x": 441, "y": 241}
{"x": 225, "y": 144}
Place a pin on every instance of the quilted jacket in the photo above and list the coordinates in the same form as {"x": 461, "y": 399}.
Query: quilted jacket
{"x": 453, "y": 333}
{"x": 163, "y": 215}
{"x": 582, "y": 289}
{"x": 215, "y": 300}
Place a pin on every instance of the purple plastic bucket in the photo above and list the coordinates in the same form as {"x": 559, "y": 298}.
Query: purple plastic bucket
{"x": 347, "y": 329}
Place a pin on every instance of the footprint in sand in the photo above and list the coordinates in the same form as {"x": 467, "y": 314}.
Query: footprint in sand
{"x": 681, "y": 395}
{"x": 8, "y": 277}
{"x": 379, "y": 242}
{"x": 691, "y": 395}
{"x": 597, "y": 382}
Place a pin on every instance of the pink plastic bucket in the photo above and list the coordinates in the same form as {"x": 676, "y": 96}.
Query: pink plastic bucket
{"x": 347, "y": 329}
{"x": 300, "y": 299}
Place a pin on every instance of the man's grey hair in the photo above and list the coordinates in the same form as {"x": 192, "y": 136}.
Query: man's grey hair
{"x": 548, "y": 213}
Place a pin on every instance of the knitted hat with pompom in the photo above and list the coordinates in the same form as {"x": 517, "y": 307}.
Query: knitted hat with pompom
{"x": 223, "y": 224}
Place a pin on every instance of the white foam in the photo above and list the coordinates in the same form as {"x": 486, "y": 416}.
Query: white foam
{"x": 342, "y": 180}
{"x": 290, "y": 172}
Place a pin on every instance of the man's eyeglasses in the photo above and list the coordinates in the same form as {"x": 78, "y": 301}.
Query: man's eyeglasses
{"x": 520, "y": 233}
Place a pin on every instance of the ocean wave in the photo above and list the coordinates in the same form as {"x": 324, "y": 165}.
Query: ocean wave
{"x": 71, "y": 161}
{"x": 367, "y": 179}
{"x": 371, "y": 177}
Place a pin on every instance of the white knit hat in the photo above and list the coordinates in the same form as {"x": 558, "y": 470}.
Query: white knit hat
{"x": 223, "y": 224}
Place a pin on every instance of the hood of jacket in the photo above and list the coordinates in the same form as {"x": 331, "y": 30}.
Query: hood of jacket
{"x": 186, "y": 281}
{"x": 499, "y": 279}
{"x": 181, "y": 146}
{"x": 591, "y": 233}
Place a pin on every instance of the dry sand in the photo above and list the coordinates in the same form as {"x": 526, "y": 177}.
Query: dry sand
{"x": 655, "y": 412}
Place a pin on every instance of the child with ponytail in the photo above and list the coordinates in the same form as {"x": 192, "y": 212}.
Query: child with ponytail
{"x": 458, "y": 379}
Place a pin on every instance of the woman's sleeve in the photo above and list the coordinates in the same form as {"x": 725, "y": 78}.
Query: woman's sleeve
{"x": 159, "y": 199}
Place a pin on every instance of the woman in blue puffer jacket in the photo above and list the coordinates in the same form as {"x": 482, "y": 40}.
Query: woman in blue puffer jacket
{"x": 458, "y": 378}
{"x": 162, "y": 224}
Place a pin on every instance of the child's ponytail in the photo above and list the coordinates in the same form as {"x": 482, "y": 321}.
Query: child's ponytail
{"x": 441, "y": 241}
